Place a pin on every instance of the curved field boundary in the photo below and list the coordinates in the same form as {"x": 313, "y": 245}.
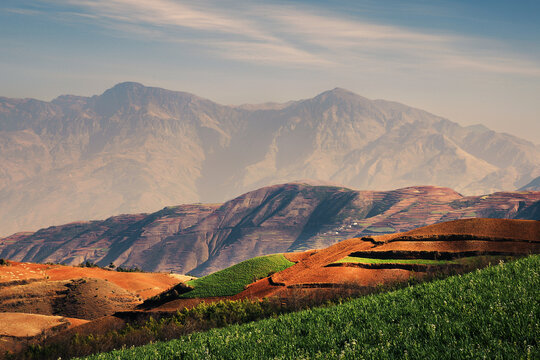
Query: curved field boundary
{"x": 458, "y": 237}
{"x": 409, "y": 267}
{"x": 321, "y": 285}
{"x": 426, "y": 255}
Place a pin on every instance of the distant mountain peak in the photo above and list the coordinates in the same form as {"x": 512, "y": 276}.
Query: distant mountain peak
{"x": 124, "y": 88}
{"x": 534, "y": 185}
{"x": 134, "y": 95}
{"x": 340, "y": 95}
{"x": 338, "y": 92}
{"x": 126, "y": 85}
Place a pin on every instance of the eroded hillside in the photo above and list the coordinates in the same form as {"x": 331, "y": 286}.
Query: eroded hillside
{"x": 200, "y": 239}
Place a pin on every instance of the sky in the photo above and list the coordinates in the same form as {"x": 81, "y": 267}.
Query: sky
{"x": 469, "y": 61}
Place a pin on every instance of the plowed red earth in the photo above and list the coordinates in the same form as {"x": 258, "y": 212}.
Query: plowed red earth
{"x": 299, "y": 256}
{"x": 517, "y": 237}
{"x": 528, "y": 230}
{"x": 30, "y": 293}
{"x": 144, "y": 285}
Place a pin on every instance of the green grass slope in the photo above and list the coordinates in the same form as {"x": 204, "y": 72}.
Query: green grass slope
{"x": 491, "y": 313}
{"x": 232, "y": 280}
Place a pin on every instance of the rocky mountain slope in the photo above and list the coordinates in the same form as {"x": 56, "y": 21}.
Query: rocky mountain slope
{"x": 136, "y": 148}
{"x": 200, "y": 239}
{"x": 532, "y": 186}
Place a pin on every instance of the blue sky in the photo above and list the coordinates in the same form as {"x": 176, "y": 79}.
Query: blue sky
{"x": 469, "y": 61}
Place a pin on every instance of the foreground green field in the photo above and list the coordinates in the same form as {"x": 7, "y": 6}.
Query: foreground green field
{"x": 491, "y": 313}
{"x": 232, "y": 280}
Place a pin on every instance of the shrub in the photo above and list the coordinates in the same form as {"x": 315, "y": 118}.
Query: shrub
{"x": 123, "y": 269}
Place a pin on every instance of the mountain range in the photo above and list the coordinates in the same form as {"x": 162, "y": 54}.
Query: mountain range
{"x": 136, "y": 149}
{"x": 202, "y": 238}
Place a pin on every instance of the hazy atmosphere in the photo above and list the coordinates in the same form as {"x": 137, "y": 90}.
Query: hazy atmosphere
{"x": 471, "y": 62}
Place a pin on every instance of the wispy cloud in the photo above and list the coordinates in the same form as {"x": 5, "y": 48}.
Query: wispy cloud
{"x": 283, "y": 35}
{"x": 22, "y": 11}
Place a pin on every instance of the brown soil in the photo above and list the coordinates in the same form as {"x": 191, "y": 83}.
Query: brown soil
{"x": 28, "y": 325}
{"x": 528, "y": 230}
{"x": 506, "y": 237}
{"x": 86, "y": 293}
{"x": 258, "y": 290}
{"x": 510, "y": 247}
{"x": 94, "y": 298}
{"x": 98, "y": 326}
{"x": 299, "y": 256}
{"x": 33, "y": 294}
{"x": 80, "y": 298}
{"x": 144, "y": 285}
{"x": 19, "y": 329}
{"x": 179, "y": 304}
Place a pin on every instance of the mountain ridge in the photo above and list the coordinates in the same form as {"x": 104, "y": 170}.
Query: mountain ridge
{"x": 136, "y": 149}
{"x": 203, "y": 238}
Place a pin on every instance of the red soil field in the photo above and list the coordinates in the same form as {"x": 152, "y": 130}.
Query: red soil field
{"x": 31, "y": 293}
{"x": 521, "y": 237}
{"x": 144, "y": 285}
{"x": 516, "y": 237}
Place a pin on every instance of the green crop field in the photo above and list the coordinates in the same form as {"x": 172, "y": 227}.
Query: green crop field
{"x": 353, "y": 259}
{"x": 492, "y": 313}
{"x": 232, "y": 280}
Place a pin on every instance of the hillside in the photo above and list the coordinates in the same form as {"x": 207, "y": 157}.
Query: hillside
{"x": 19, "y": 329}
{"x": 38, "y": 301}
{"x": 138, "y": 149}
{"x": 289, "y": 282}
{"x": 76, "y": 292}
{"x": 200, "y": 239}
{"x": 492, "y": 313}
{"x": 438, "y": 248}
{"x": 362, "y": 264}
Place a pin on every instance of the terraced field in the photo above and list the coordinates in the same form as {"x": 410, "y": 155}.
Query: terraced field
{"x": 353, "y": 267}
{"x": 490, "y": 313}
{"x": 363, "y": 260}
{"x": 227, "y": 282}
{"x": 234, "y": 279}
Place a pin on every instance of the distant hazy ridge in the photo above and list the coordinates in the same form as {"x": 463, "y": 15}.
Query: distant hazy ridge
{"x": 136, "y": 148}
